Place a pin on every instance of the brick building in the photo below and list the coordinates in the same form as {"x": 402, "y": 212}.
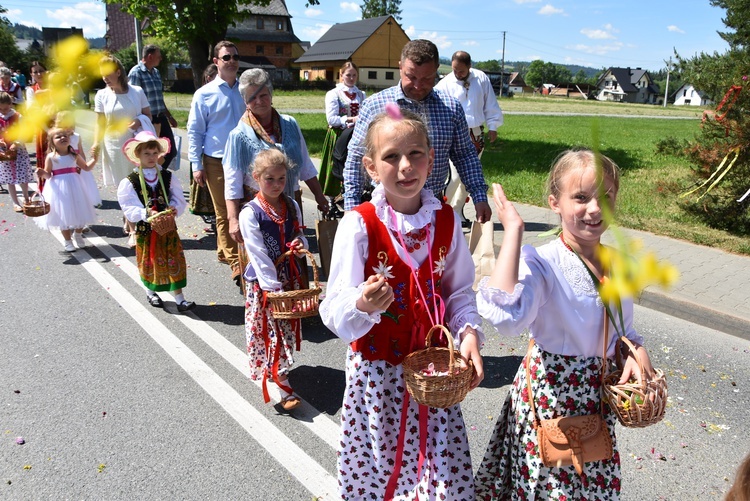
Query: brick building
{"x": 120, "y": 28}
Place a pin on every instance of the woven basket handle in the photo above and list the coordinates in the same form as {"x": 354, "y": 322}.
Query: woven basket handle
{"x": 309, "y": 254}
{"x": 428, "y": 339}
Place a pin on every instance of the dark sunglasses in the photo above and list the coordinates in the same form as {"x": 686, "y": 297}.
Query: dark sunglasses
{"x": 227, "y": 57}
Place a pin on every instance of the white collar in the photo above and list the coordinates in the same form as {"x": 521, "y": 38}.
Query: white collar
{"x": 404, "y": 222}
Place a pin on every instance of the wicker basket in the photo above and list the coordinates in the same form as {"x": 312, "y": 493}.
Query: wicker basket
{"x": 636, "y": 405}
{"x": 299, "y": 303}
{"x": 442, "y": 390}
{"x": 36, "y": 207}
{"x": 7, "y": 154}
{"x": 163, "y": 222}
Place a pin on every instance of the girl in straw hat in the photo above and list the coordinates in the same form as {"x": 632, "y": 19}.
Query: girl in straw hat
{"x": 146, "y": 192}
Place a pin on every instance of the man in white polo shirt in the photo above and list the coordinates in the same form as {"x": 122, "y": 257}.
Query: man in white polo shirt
{"x": 473, "y": 90}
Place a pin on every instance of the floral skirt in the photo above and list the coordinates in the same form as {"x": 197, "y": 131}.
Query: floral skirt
{"x": 17, "y": 171}
{"x": 512, "y": 467}
{"x": 270, "y": 342}
{"x": 371, "y": 419}
{"x": 161, "y": 261}
{"x": 331, "y": 186}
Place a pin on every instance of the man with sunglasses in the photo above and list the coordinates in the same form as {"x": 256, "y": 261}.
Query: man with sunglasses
{"x": 446, "y": 121}
{"x": 216, "y": 109}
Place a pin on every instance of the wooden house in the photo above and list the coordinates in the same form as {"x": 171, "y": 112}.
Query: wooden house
{"x": 374, "y": 45}
{"x": 266, "y": 40}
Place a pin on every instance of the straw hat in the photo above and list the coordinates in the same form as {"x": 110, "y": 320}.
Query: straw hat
{"x": 130, "y": 145}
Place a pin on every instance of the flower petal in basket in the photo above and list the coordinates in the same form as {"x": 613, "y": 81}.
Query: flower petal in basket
{"x": 300, "y": 303}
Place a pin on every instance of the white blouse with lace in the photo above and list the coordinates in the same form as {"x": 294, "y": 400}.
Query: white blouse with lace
{"x": 556, "y": 299}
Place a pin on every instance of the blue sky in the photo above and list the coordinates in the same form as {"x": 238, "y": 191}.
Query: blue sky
{"x": 588, "y": 33}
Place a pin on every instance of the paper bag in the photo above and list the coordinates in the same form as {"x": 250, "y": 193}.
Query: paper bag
{"x": 325, "y": 230}
{"x": 482, "y": 248}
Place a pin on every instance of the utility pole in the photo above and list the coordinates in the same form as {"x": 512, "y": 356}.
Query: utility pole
{"x": 138, "y": 39}
{"x": 669, "y": 70}
{"x": 502, "y": 69}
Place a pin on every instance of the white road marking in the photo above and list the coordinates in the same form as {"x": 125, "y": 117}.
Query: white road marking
{"x": 322, "y": 426}
{"x": 306, "y": 470}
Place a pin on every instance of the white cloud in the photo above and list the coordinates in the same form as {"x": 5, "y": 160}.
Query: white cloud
{"x": 86, "y": 15}
{"x": 411, "y": 30}
{"x": 471, "y": 43}
{"x": 599, "y": 50}
{"x": 441, "y": 41}
{"x": 674, "y": 29}
{"x": 349, "y": 7}
{"x": 527, "y": 1}
{"x": 549, "y": 10}
{"x": 311, "y": 12}
{"x": 314, "y": 33}
{"x": 597, "y": 34}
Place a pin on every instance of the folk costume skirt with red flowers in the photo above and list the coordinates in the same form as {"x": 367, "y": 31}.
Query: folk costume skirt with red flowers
{"x": 512, "y": 468}
{"x": 161, "y": 260}
{"x": 269, "y": 340}
{"x": 369, "y": 441}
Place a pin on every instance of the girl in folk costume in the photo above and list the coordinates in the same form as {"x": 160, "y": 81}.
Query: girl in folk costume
{"x": 70, "y": 207}
{"x": 403, "y": 267}
{"x": 551, "y": 291}
{"x": 16, "y": 170}
{"x": 270, "y": 225}
{"x": 66, "y": 121}
{"x": 146, "y": 192}
{"x": 34, "y": 94}
{"x": 12, "y": 88}
{"x": 342, "y": 108}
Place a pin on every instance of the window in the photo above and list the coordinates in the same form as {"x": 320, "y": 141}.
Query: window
{"x": 259, "y": 23}
{"x": 372, "y": 75}
{"x": 389, "y": 75}
{"x": 279, "y": 24}
{"x": 279, "y": 50}
{"x": 259, "y": 49}
{"x": 307, "y": 75}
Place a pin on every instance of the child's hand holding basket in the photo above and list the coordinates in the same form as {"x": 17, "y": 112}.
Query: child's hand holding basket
{"x": 163, "y": 222}
{"x": 438, "y": 377}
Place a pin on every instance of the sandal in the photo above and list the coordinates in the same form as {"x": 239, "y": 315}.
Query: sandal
{"x": 290, "y": 402}
{"x": 185, "y": 306}
{"x": 17, "y": 208}
{"x": 155, "y": 301}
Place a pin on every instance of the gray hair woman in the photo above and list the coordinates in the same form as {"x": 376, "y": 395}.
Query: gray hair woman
{"x": 9, "y": 86}
{"x": 260, "y": 128}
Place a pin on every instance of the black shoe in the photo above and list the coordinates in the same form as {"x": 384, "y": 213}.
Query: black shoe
{"x": 154, "y": 301}
{"x": 185, "y": 306}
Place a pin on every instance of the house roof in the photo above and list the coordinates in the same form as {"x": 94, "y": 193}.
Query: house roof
{"x": 342, "y": 40}
{"x": 627, "y": 77}
{"x": 246, "y": 29}
{"x": 274, "y": 8}
{"x": 516, "y": 80}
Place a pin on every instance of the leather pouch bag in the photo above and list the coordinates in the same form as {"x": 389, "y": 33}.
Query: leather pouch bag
{"x": 572, "y": 440}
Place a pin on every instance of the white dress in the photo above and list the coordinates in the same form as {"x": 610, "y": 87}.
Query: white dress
{"x": 70, "y": 205}
{"x": 372, "y": 408}
{"x": 89, "y": 181}
{"x": 118, "y": 108}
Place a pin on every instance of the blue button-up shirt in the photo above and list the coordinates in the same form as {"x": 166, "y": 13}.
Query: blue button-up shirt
{"x": 150, "y": 82}
{"x": 216, "y": 109}
{"x": 449, "y": 135}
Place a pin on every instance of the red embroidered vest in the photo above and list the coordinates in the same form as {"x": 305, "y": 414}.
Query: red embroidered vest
{"x": 404, "y": 325}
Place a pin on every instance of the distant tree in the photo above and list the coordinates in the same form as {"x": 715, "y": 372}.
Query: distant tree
{"x": 377, "y": 8}
{"x": 9, "y": 52}
{"x": 580, "y": 77}
{"x": 715, "y": 74}
{"x": 197, "y": 25}
{"x": 26, "y": 32}
{"x": 540, "y": 73}
{"x": 491, "y": 65}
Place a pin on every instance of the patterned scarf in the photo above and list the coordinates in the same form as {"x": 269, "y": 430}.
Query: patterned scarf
{"x": 260, "y": 131}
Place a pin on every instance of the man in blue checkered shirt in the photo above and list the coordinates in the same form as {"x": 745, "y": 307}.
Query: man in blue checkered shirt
{"x": 146, "y": 75}
{"x": 446, "y": 122}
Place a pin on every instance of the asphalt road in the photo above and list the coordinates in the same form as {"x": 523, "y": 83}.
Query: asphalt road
{"x": 117, "y": 400}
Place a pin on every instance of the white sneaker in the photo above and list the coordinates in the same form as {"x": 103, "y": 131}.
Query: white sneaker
{"x": 78, "y": 240}
{"x": 68, "y": 245}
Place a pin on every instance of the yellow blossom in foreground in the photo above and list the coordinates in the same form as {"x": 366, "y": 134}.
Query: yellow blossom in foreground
{"x": 70, "y": 60}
